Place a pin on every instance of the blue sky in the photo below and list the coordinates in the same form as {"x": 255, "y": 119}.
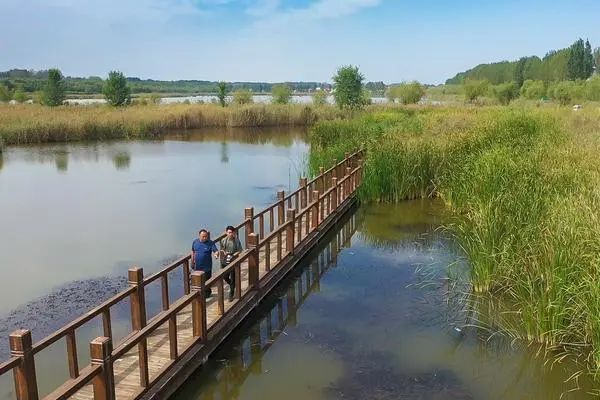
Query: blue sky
{"x": 285, "y": 40}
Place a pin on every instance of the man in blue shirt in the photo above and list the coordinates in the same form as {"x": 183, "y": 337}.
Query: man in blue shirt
{"x": 201, "y": 255}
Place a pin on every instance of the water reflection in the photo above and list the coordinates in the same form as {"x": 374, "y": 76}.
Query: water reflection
{"x": 122, "y": 160}
{"x": 61, "y": 160}
{"x": 224, "y": 153}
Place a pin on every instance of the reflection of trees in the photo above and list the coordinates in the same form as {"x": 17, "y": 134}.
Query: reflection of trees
{"x": 224, "y": 152}
{"x": 61, "y": 160}
{"x": 1, "y": 158}
{"x": 277, "y": 136}
{"x": 122, "y": 160}
{"x": 224, "y": 381}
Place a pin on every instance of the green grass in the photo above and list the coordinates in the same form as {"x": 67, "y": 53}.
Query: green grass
{"x": 523, "y": 188}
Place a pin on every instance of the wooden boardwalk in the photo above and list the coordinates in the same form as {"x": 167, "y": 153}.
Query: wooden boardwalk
{"x": 159, "y": 353}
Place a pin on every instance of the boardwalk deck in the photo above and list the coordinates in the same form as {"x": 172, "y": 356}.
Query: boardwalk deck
{"x": 162, "y": 352}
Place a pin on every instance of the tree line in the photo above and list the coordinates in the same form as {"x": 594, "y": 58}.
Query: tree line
{"x": 578, "y": 61}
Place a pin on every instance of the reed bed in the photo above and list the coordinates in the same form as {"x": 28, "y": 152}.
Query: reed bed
{"x": 21, "y": 124}
{"x": 523, "y": 189}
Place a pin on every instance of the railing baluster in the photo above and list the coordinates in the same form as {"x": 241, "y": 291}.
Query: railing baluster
{"x": 72, "y": 354}
{"x": 238, "y": 281}
{"x": 221, "y": 296}
{"x": 165, "y": 292}
{"x": 106, "y": 323}
{"x": 24, "y": 374}
{"x": 249, "y": 217}
{"x": 271, "y": 220}
{"x": 173, "y": 351}
{"x": 138, "y": 319}
{"x": 279, "y": 244}
{"x": 315, "y": 210}
{"x": 281, "y": 208}
{"x": 289, "y": 232}
{"x": 103, "y": 383}
{"x": 186, "y": 276}
{"x": 253, "y": 262}
{"x": 199, "y": 305}
{"x": 302, "y": 193}
{"x": 268, "y": 255}
{"x": 334, "y": 195}
{"x": 261, "y": 224}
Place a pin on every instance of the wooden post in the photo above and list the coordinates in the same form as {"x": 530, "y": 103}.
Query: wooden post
{"x": 106, "y": 323}
{"x": 164, "y": 283}
{"x": 24, "y": 373}
{"x": 334, "y": 195}
{"x": 249, "y": 217}
{"x": 348, "y": 182}
{"x": 72, "y": 354}
{"x": 199, "y": 305}
{"x": 281, "y": 207}
{"x": 186, "y": 276}
{"x": 138, "y": 319}
{"x": 253, "y": 260}
{"x": 302, "y": 193}
{"x": 321, "y": 184}
{"x": 315, "y": 210}
{"x": 173, "y": 350}
{"x": 290, "y": 231}
{"x": 346, "y": 159}
{"x": 104, "y": 383}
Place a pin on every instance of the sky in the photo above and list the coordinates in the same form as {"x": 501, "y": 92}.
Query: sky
{"x": 285, "y": 40}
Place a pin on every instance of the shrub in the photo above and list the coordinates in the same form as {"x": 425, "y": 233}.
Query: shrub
{"x": 475, "y": 88}
{"x": 348, "y": 86}
{"x": 533, "y": 90}
{"x": 505, "y": 92}
{"x": 319, "y": 97}
{"x": 282, "y": 93}
{"x": 54, "y": 92}
{"x": 242, "y": 96}
{"x": 116, "y": 91}
{"x": 406, "y": 93}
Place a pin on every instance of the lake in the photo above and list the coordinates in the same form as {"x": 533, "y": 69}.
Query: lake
{"x": 371, "y": 313}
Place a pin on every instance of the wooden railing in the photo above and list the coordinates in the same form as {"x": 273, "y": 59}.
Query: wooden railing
{"x": 282, "y": 226}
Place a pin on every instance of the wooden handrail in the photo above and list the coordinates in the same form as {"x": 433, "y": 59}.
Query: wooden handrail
{"x": 9, "y": 364}
{"x": 72, "y": 386}
{"x": 93, "y": 313}
{"x": 224, "y": 271}
{"x": 167, "y": 269}
{"x": 274, "y": 233}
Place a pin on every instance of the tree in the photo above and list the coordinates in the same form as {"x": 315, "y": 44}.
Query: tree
{"x": 282, "y": 93}
{"x": 319, "y": 97}
{"x": 519, "y": 74}
{"x": 475, "y": 88}
{"x": 576, "y": 68}
{"x": 588, "y": 60}
{"x": 505, "y": 92}
{"x": 596, "y": 57}
{"x": 533, "y": 90}
{"x": 19, "y": 95}
{"x": 5, "y": 93}
{"x": 116, "y": 91}
{"x": 222, "y": 93}
{"x": 563, "y": 92}
{"x": 592, "y": 89}
{"x": 54, "y": 91}
{"x": 348, "y": 84}
{"x": 242, "y": 96}
{"x": 406, "y": 93}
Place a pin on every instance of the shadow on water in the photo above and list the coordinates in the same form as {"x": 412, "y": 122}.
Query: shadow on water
{"x": 370, "y": 316}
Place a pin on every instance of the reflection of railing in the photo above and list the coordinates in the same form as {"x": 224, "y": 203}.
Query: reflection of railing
{"x": 283, "y": 313}
{"x": 314, "y": 203}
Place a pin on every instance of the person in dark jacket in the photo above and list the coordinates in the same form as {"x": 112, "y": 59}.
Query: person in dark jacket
{"x": 230, "y": 248}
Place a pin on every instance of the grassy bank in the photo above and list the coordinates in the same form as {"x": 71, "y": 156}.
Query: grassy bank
{"x": 20, "y": 124}
{"x": 523, "y": 187}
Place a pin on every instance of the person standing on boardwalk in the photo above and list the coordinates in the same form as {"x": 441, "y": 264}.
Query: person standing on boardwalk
{"x": 201, "y": 255}
{"x": 230, "y": 248}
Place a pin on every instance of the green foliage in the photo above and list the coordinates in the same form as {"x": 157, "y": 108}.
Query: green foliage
{"x": 116, "y": 91}
{"x": 319, "y": 97}
{"x": 592, "y": 90}
{"x": 5, "y": 93}
{"x": 563, "y": 92}
{"x": 533, "y": 90}
{"x": 242, "y": 96}
{"x": 580, "y": 63}
{"x": 19, "y": 95}
{"x": 505, "y": 92}
{"x": 406, "y": 93}
{"x": 596, "y": 57}
{"x": 54, "y": 91}
{"x": 348, "y": 84}
{"x": 475, "y": 88}
{"x": 282, "y": 93}
{"x": 222, "y": 93}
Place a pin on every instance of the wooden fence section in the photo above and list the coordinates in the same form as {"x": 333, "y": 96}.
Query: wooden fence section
{"x": 159, "y": 353}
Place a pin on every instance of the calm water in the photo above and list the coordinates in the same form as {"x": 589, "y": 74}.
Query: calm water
{"x": 374, "y": 318}
{"x": 369, "y": 315}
